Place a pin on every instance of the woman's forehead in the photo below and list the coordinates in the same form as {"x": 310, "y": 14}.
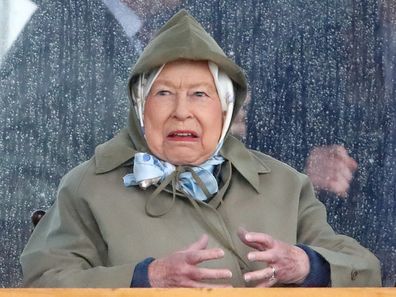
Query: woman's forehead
{"x": 186, "y": 71}
{"x": 185, "y": 65}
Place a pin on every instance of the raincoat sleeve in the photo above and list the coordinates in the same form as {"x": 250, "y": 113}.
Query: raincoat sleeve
{"x": 66, "y": 248}
{"x": 351, "y": 265}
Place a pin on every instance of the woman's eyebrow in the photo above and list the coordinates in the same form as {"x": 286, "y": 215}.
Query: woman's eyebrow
{"x": 163, "y": 82}
{"x": 205, "y": 85}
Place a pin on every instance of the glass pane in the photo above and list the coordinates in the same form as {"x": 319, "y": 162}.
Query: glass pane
{"x": 321, "y": 74}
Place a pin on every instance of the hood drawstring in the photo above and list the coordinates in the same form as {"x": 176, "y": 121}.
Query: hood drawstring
{"x": 173, "y": 179}
{"x": 218, "y": 234}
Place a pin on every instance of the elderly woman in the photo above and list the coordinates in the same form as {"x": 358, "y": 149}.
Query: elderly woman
{"x": 174, "y": 201}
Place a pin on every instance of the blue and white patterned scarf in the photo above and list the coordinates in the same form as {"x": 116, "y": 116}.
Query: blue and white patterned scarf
{"x": 148, "y": 170}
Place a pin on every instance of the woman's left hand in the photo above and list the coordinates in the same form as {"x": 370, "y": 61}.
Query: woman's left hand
{"x": 287, "y": 264}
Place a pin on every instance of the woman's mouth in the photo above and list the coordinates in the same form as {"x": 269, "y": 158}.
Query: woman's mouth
{"x": 183, "y": 135}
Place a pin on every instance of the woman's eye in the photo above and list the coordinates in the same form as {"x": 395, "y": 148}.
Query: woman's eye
{"x": 200, "y": 94}
{"x": 163, "y": 92}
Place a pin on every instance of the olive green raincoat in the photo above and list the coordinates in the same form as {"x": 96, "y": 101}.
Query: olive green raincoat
{"x": 98, "y": 229}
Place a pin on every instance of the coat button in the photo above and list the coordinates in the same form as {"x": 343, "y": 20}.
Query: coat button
{"x": 354, "y": 274}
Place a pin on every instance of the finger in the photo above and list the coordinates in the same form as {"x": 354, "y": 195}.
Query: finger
{"x": 262, "y": 256}
{"x": 346, "y": 173}
{"x": 196, "y": 257}
{"x": 338, "y": 180}
{"x": 258, "y": 275}
{"x": 200, "y": 244}
{"x": 339, "y": 166}
{"x": 242, "y": 233}
{"x": 195, "y": 284}
{"x": 343, "y": 155}
{"x": 205, "y": 273}
{"x": 340, "y": 187}
{"x": 264, "y": 240}
{"x": 267, "y": 283}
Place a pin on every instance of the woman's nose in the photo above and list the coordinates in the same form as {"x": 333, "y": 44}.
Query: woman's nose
{"x": 182, "y": 108}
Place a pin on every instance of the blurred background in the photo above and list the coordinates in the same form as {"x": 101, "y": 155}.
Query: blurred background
{"x": 322, "y": 99}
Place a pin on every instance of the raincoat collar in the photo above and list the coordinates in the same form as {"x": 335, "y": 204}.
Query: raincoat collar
{"x": 244, "y": 161}
{"x": 114, "y": 153}
{"x": 119, "y": 151}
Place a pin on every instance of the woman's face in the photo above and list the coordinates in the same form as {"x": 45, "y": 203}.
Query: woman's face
{"x": 182, "y": 116}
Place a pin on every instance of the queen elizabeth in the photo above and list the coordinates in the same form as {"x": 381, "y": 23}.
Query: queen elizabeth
{"x": 174, "y": 200}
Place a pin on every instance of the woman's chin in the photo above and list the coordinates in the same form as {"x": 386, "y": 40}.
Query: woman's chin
{"x": 186, "y": 159}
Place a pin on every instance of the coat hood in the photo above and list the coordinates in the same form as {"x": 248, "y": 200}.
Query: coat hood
{"x": 182, "y": 37}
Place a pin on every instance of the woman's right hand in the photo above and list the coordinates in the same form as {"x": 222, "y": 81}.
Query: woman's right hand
{"x": 180, "y": 269}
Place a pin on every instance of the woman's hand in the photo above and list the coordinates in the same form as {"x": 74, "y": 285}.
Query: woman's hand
{"x": 287, "y": 264}
{"x": 180, "y": 268}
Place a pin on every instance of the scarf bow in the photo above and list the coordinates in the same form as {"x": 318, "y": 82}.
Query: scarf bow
{"x": 149, "y": 170}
